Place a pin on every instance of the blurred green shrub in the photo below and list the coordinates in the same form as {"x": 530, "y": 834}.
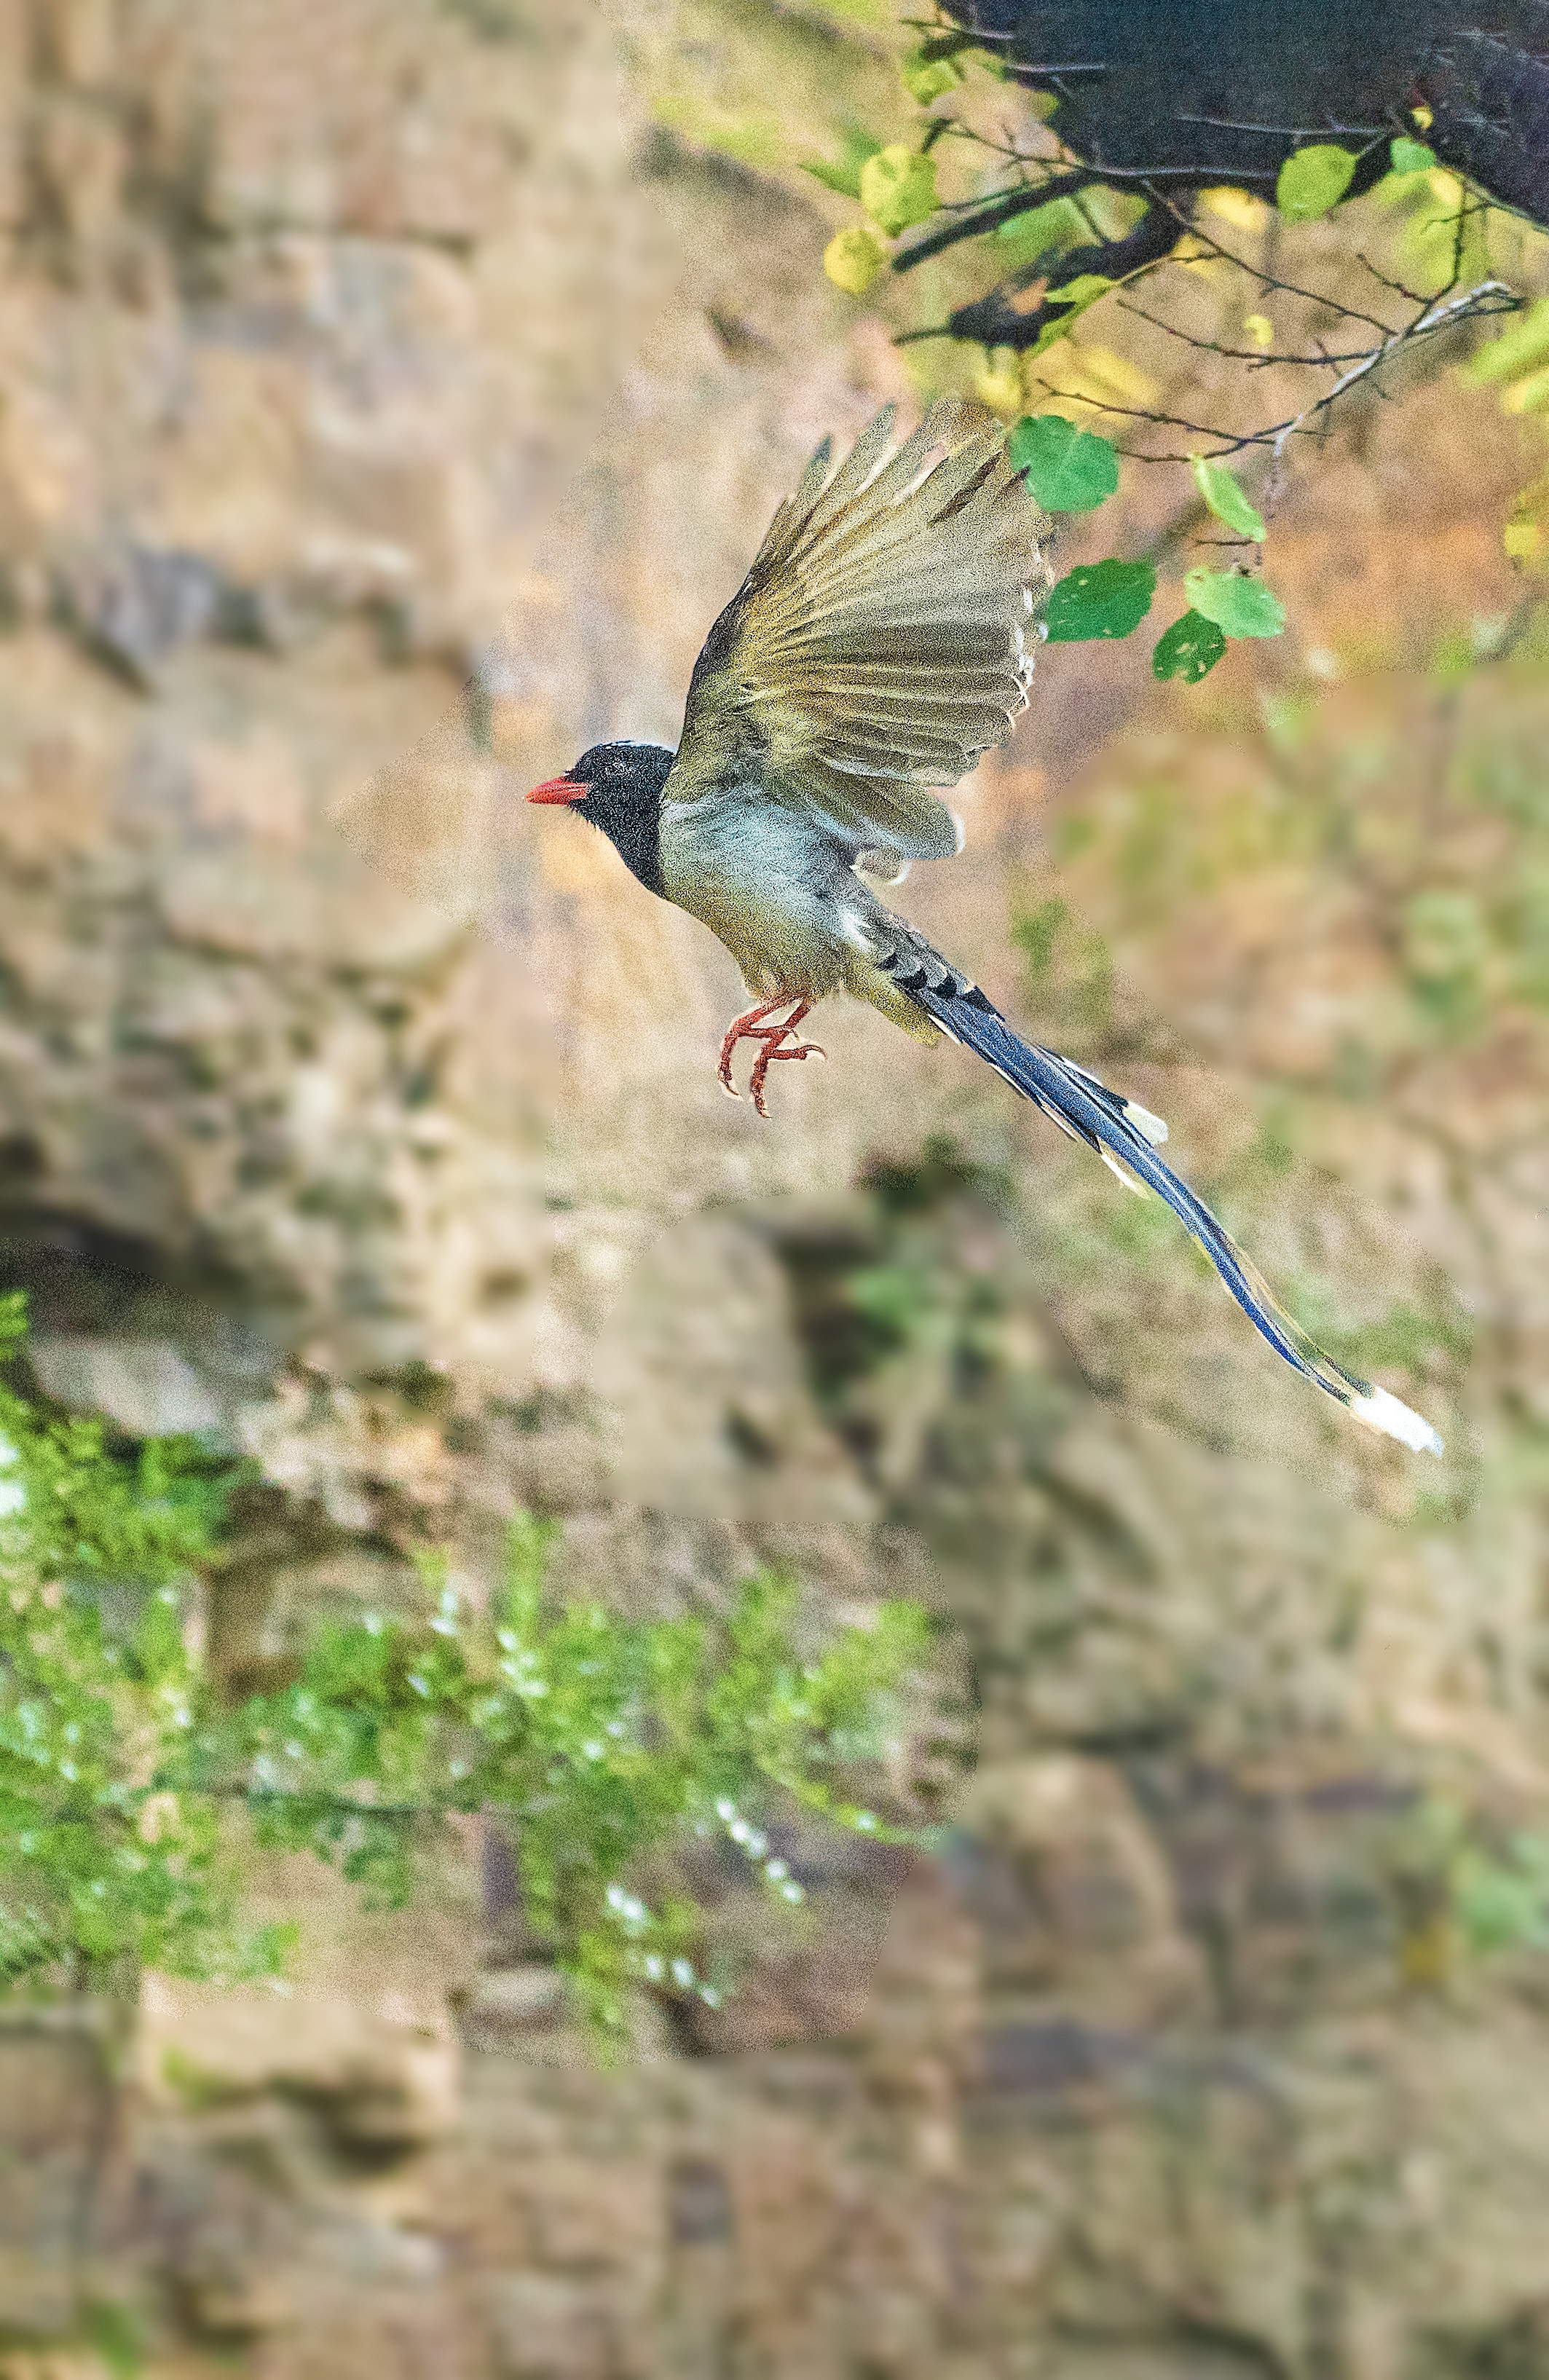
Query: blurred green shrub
{"x": 595, "y": 1740}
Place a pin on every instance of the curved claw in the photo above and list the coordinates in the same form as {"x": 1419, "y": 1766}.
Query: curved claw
{"x": 765, "y": 1060}
{"x": 742, "y": 1028}
{"x": 752, "y": 1027}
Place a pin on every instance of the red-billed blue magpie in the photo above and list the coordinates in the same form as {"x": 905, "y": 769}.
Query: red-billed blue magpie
{"x": 879, "y": 645}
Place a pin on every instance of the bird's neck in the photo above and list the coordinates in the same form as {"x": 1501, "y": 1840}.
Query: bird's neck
{"x": 630, "y": 814}
{"x": 638, "y": 840}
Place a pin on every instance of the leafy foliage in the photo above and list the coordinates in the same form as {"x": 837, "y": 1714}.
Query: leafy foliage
{"x": 1034, "y": 191}
{"x": 1238, "y": 606}
{"x": 1074, "y": 470}
{"x": 1226, "y": 499}
{"x": 1189, "y": 649}
{"x": 108, "y": 1850}
{"x": 595, "y": 1739}
{"x": 1069, "y": 469}
{"x": 1100, "y": 600}
{"x": 1312, "y": 181}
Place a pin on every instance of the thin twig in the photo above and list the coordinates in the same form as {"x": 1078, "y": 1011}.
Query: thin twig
{"x": 1261, "y": 358}
{"x": 1440, "y": 316}
{"x": 1293, "y": 289}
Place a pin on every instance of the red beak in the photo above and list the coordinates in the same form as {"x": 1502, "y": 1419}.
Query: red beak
{"x": 559, "y": 789}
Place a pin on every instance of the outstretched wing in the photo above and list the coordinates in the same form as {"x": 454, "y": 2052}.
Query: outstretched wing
{"x": 878, "y": 644}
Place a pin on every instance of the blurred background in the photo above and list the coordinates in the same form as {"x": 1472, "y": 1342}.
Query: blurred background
{"x": 352, "y": 347}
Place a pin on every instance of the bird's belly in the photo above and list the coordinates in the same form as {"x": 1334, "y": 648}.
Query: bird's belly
{"x": 764, "y": 883}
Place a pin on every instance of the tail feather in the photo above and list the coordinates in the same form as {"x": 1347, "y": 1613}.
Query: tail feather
{"x": 1124, "y": 1135}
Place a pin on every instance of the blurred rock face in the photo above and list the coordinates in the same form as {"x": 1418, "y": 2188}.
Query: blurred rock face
{"x": 352, "y": 1109}
{"x": 309, "y": 316}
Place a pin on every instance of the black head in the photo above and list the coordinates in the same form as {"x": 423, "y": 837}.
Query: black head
{"x": 618, "y": 787}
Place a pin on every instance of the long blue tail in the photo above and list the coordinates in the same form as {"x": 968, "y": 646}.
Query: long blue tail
{"x": 1124, "y": 1135}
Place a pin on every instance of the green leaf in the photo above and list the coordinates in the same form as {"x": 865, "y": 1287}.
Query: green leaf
{"x": 1085, "y": 291}
{"x": 1189, "y": 649}
{"x": 1516, "y": 349}
{"x": 1241, "y": 607}
{"x": 1058, "y": 222}
{"x": 1314, "y": 181}
{"x": 926, "y": 78}
{"x": 113, "y": 2332}
{"x": 1100, "y": 600}
{"x": 853, "y": 259}
{"x": 1411, "y": 156}
{"x": 898, "y": 188}
{"x": 1225, "y": 498}
{"x": 595, "y": 1737}
{"x": 1069, "y": 469}
{"x": 844, "y": 177}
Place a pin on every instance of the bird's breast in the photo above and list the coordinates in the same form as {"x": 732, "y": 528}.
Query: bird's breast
{"x": 767, "y": 883}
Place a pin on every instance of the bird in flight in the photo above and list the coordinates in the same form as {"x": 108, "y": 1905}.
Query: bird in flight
{"x": 877, "y": 646}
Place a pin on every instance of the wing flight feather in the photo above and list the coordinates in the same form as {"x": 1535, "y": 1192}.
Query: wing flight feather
{"x": 878, "y": 644}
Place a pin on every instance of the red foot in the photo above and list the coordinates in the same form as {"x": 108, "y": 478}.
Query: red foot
{"x": 751, "y": 1027}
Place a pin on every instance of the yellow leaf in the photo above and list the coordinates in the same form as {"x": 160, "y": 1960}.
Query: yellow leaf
{"x": 898, "y": 188}
{"x": 853, "y": 259}
{"x": 1422, "y": 116}
{"x": 1239, "y": 207}
{"x": 1260, "y": 329}
{"x": 1529, "y": 395}
{"x": 1523, "y": 541}
{"x": 1446, "y": 187}
{"x": 997, "y": 382}
{"x": 1102, "y": 378}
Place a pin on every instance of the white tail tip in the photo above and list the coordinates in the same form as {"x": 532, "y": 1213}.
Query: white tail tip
{"x": 1380, "y": 1411}
{"x": 1150, "y": 1127}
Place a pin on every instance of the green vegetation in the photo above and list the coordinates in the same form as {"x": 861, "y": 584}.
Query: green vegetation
{"x": 1069, "y": 469}
{"x": 108, "y": 1862}
{"x": 1313, "y": 182}
{"x": 1099, "y": 600}
{"x": 911, "y": 123}
{"x": 595, "y": 1739}
{"x": 1465, "y": 1887}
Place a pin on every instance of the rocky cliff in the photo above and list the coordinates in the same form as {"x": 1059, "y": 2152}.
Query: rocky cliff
{"x": 353, "y": 352}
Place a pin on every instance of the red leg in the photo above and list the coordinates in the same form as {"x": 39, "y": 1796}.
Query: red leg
{"x": 772, "y": 1049}
{"x": 752, "y": 1028}
{"x": 740, "y": 1029}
